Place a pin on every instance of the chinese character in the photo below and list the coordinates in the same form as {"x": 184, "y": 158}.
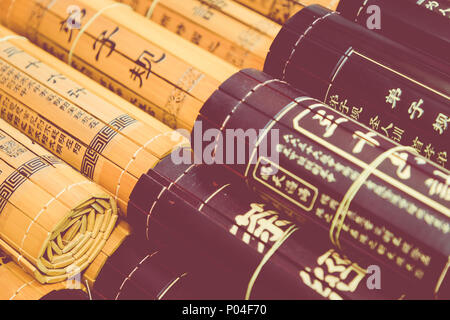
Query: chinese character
{"x": 399, "y": 160}
{"x": 363, "y": 139}
{"x": 73, "y": 20}
{"x": 145, "y": 62}
{"x": 429, "y": 151}
{"x": 374, "y": 123}
{"x": 102, "y": 39}
{"x": 394, "y": 97}
{"x": 55, "y": 77}
{"x": 328, "y": 123}
{"x": 356, "y": 112}
{"x": 442, "y": 158}
{"x": 265, "y": 225}
{"x": 431, "y": 5}
{"x": 440, "y": 123}
{"x": 417, "y": 144}
{"x": 415, "y": 107}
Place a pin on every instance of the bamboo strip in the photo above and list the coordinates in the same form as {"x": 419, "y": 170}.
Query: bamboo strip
{"x": 101, "y": 140}
{"x": 16, "y": 284}
{"x": 29, "y": 228}
{"x": 226, "y": 29}
{"x": 281, "y": 10}
{"x": 143, "y": 62}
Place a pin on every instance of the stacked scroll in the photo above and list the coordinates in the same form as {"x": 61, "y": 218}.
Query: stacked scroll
{"x": 331, "y": 190}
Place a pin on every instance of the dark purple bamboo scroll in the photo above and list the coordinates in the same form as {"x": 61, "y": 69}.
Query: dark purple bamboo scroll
{"x": 422, "y": 25}
{"x": 308, "y": 159}
{"x": 206, "y": 209}
{"x": 138, "y": 271}
{"x": 398, "y": 92}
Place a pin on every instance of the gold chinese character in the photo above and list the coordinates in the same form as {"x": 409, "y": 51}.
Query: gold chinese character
{"x": 417, "y": 144}
{"x": 356, "y": 112}
{"x": 440, "y": 124}
{"x": 415, "y": 108}
{"x": 429, "y": 151}
{"x": 394, "y": 97}
{"x": 374, "y": 123}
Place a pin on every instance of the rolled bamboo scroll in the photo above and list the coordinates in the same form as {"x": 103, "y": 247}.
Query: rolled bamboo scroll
{"x": 16, "y": 284}
{"x": 101, "y": 138}
{"x": 227, "y": 29}
{"x": 53, "y": 221}
{"x": 420, "y": 25}
{"x": 146, "y": 64}
{"x": 401, "y": 93}
{"x": 370, "y": 194}
{"x": 281, "y": 10}
{"x": 203, "y": 208}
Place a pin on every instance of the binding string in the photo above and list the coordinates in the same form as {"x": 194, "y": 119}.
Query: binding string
{"x": 84, "y": 28}
{"x": 267, "y": 257}
{"x": 12, "y": 36}
{"x": 342, "y": 211}
{"x": 150, "y": 10}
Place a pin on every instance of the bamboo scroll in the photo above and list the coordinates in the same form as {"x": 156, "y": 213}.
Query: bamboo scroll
{"x": 146, "y": 64}
{"x": 103, "y": 141}
{"x": 60, "y": 230}
{"x": 281, "y": 10}
{"x": 230, "y": 31}
{"x": 370, "y": 194}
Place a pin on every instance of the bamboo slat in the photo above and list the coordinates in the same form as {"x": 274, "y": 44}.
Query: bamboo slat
{"x": 281, "y": 10}
{"x": 230, "y": 31}
{"x": 146, "y": 64}
{"x": 16, "y": 284}
{"x": 59, "y": 230}
{"x": 100, "y": 138}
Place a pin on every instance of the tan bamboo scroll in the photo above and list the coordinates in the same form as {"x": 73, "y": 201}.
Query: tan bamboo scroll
{"x": 53, "y": 221}
{"x": 153, "y": 68}
{"x": 104, "y": 142}
{"x": 281, "y": 10}
{"x": 118, "y": 236}
{"x": 16, "y": 284}
{"x": 227, "y": 29}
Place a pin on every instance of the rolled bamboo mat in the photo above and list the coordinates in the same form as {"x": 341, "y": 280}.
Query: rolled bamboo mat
{"x": 401, "y": 93}
{"x": 16, "y": 284}
{"x": 229, "y": 30}
{"x": 146, "y": 64}
{"x": 214, "y": 215}
{"x": 100, "y": 139}
{"x": 368, "y": 193}
{"x": 60, "y": 230}
{"x": 416, "y": 24}
{"x": 129, "y": 268}
{"x": 281, "y": 10}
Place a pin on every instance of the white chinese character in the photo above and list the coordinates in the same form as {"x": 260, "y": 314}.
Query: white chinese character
{"x": 394, "y": 97}
{"x": 327, "y": 122}
{"x": 363, "y": 139}
{"x": 444, "y": 12}
{"x": 399, "y": 160}
{"x": 431, "y": 5}
{"x": 264, "y": 225}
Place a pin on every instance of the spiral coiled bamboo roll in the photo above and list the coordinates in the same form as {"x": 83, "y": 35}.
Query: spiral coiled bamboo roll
{"x": 61, "y": 228}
